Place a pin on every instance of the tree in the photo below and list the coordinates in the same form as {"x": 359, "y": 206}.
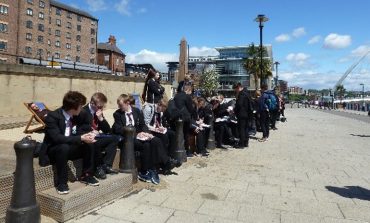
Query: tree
{"x": 208, "y": 82}
{"x": 252, "y": 65}
{"x": 340, "y": 91}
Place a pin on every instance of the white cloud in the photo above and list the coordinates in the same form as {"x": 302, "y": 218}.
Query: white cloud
{"x": 158, "y": 60}
{"x": 314, "y": 39}
{"x": 121, "y": 40}
{"x": 96, "y": 5}
{"x": 310, "y": 79}
{"x": 142, "y": 10}
{"x": 297, "y": 56}
{"x": 74, "y": 5}
{"x": 356, "y": 53}
{"x": 282, "y": 38}
{"x": 203, "y": 51}
{"x": 298, "y": 32}
{"x": 299, "y": 61}
{"x": 123, "y": 7}
{"x": 336, "y": 41}
{"x": 360, "y": 51}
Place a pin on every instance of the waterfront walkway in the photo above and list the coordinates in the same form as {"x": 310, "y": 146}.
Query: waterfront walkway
{"x": 315, "y": 168}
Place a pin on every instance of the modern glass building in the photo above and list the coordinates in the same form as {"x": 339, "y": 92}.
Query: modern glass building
{"x": 229, "y": 65}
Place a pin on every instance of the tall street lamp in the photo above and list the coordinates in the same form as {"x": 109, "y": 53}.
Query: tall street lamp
{"x": 277, "y": 75}
{"x": 363, "y": 96}
{"x": 261, "y": 19}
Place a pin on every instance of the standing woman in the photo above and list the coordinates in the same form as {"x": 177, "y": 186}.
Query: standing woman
{"x": 153, "y": 91}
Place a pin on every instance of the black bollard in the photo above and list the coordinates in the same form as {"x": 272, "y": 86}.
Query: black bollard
{"x": 23, "y": 206}
{"x": 127, "y": 160}
{"x": 211, "y": 139}
{"x": 180, "y": 153}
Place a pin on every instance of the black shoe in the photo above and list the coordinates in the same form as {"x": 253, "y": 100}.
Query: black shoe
{"x": 100, "y": 173}
{"x": 172, "y": 163}
{"x": 221, "y": 147}
{"x": 204, "y": 153}
{"x": 89, "y": 180}
{"x": 189, "y": 154}
{"x": 274, "y": 128}
{"x": 241, "y": 146}
{"x": 108, "y": 170}
{"x": 62, "y": 189}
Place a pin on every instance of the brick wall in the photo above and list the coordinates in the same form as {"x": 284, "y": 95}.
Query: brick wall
{"x": 11, "y": 19}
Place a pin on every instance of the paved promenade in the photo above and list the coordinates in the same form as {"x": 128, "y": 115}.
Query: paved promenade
{"x": 315, "y": 168}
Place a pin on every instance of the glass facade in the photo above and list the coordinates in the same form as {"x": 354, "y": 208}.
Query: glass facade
{"x": 229, "y": 65}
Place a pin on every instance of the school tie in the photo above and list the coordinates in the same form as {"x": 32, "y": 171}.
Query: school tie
{"x": 129, "y": 115}
{"x": 94, "y": 124}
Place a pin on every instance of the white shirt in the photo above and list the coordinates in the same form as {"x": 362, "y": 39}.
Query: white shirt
{"x": 68, "y": 129}
{"x": 128, "y": 119}
{"x": 91, "y": 110}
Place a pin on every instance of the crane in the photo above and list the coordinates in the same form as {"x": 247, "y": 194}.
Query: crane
{"x": 350, "y": 69}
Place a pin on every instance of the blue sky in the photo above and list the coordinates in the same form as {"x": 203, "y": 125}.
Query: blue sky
{"x": 315, "y": 41}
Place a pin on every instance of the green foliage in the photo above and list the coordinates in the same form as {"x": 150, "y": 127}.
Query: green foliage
{"x": 252, "y": 64}
{"x": 209, "y": 82}
{"x": 297, "y": 97}
{"x": 340, "y": 91}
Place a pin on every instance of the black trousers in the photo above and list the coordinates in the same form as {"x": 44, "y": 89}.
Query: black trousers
{"x": 243, "y": 131}
{"x": 186, "y": 131}
{"x": 200, "y": 141}
{"x": 152, "y": 153}
{"x": 220, "y": 130}
{"x": 168, "y": 141}
{"x": 109, "y": 145}
{"x": 273, "y": 116}
{"x": 264, "y": 121}
{"x": 60, "y": 154}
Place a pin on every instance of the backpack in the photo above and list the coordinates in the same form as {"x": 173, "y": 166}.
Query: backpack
{"x": 271, "y": 101}
{"x": 172, "y": 111}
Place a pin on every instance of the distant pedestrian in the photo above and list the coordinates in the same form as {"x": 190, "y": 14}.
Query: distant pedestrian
{"x": 264, "y": 113}
{"x": 243, "y": 111}
{"x": 153, "y": 91}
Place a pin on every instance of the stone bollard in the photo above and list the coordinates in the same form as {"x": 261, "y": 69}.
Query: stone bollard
{"x": 211, "y": 139}
{"x": 127, "y": 159}
{"x": 23, "y": 206}
{"x": 180, "y": 153}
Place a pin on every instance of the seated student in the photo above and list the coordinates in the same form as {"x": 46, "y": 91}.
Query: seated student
{"x": 41, "y": 112}
{"x": 151, "y": 149}
{"x": 93, "y": 119}
{"x": 205, "y": 114}
{"x": 184, "y": 104}
{"x": 64, "y": 143}
{"x": 222, "y": 112}
{"x": 156, "y": 121}
{"x": 198, "y": 128}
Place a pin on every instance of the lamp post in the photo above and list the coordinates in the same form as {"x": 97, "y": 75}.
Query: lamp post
{"x": 363, "y": 96}
{"x": 277, "y": 76}
{"x": 261, "y": 19}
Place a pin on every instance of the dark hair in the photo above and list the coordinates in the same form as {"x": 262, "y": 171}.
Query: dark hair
{"x": 98, "y": 96}
{"x": 264, "y": 87}
{"x": 150, "y": 75}
{"x": 72, "y": 100}
{"x": 237, "y": 85}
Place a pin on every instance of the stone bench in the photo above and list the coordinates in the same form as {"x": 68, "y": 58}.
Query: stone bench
{"x": 81, "y": 198}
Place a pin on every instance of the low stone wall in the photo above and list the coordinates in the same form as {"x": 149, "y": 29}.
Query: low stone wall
{"x": 25, "y": 83}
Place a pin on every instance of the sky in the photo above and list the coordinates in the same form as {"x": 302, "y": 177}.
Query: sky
{"x": 315, "y": 41}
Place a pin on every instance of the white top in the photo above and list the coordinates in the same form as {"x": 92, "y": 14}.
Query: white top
{"x": 67, "y": 118}
{"x": 128, "y": 118}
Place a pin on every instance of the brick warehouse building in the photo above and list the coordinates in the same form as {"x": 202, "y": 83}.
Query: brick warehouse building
{"x": 46, "y": 28}
{"x": 111, "y": 56}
